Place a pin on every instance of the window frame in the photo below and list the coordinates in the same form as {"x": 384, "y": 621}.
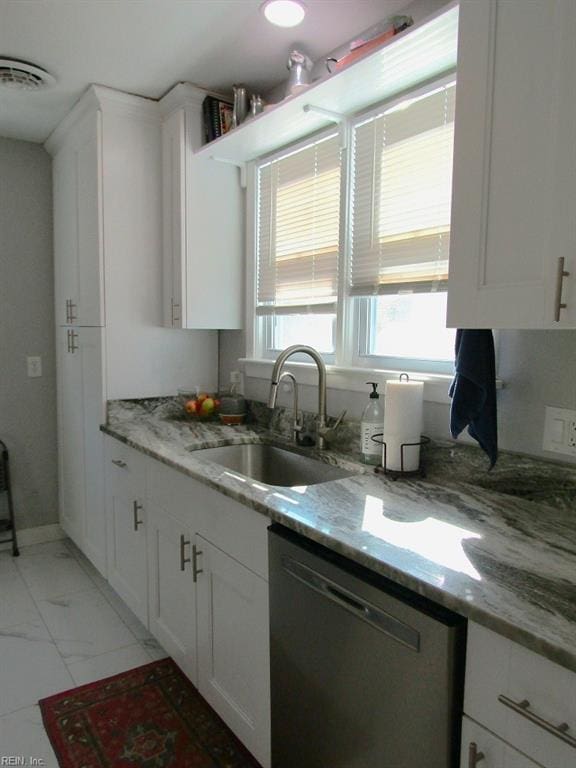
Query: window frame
{"x": 350, "y": 323}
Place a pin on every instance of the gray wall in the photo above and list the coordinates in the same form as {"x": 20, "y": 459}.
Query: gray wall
{"x": 27, "y": 406}
{"x": 538, "y": 369}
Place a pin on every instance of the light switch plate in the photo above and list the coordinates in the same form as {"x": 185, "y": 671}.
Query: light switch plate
{"x": 34, "y": 366}
{"x": 560, "y": 431}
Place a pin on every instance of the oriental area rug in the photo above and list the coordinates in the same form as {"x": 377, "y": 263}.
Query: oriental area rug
{"x": 149, "y": 717}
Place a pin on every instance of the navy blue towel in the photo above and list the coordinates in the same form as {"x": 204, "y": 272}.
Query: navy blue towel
{"x": 473, "y": 390}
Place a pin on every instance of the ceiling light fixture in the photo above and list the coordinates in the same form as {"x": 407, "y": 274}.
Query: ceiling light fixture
{"x": 22, "y": 76}
{"x": 284, "y": 13}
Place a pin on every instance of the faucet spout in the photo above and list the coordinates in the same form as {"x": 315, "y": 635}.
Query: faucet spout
{"x": 277, "y": 372}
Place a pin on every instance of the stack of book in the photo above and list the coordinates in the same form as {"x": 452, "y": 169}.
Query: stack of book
{"x": 217, "y": 117}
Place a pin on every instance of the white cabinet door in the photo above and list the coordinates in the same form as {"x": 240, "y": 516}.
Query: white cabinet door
{"x": 80, "y": 413}
{"x": 126, "y": 526}
{"x": 172, "y": 589}
{"x": 66, "y": 288}
{"x": 233, "y": 646}
{"x": 72, "y": 492}
{"x": 78, "y": 243}
{"x": 481, "y": 749}
{"x": 514, "y": 190}
{"x": 89, "y": 213}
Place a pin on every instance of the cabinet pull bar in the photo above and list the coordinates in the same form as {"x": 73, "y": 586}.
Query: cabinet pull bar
{"x": 195, "y": 570}
{"x": 474, "y": 757}
{"x": 183, "y": 545}
{"x": 560, "y": 275}
{"x": 68, "y": 311}
{"x": 68, "y": 342}
{"x": 522, "y": 708}
{"x": 119, "y": 463}
{"x": 73, "y": 317}
{"x": 137, "y": 507}
{"x": 73, "y": 345}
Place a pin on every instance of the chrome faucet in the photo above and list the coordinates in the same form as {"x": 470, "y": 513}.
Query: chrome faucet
{"x": 323, "y": 433}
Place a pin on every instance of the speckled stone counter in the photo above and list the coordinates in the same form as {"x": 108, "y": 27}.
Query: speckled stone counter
{"x": 501, "y": 560}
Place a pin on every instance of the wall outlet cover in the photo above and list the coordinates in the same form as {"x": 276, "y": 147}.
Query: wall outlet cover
{"x": 560, "y": 431}
{"x": 34, "y": 367}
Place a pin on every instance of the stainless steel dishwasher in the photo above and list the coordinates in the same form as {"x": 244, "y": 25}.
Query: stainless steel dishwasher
{"x": 365, "y": 674}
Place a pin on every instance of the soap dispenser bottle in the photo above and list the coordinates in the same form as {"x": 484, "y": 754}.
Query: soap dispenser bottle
{"x": 372, "y": 424}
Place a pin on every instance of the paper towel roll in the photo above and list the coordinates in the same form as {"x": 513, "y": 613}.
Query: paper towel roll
{"x": 403, "y": 423}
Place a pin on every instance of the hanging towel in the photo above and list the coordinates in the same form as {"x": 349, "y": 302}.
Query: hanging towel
{"x": 473, "y": 390}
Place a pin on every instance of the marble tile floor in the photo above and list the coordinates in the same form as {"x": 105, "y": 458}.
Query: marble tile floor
{"x": 61, "y": 625}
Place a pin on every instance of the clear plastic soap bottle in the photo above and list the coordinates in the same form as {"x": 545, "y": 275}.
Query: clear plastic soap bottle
{"x": 372, "y": 424}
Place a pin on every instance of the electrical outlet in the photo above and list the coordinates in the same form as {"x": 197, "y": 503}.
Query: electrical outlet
{"x": 235, "y": 377}
{"x": 560, "y": 431}
{"x": 34, "y": 366}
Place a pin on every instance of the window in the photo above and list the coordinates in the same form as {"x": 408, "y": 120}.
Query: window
{"x": 298, "y": 246}
{"x": 379, "y": 295}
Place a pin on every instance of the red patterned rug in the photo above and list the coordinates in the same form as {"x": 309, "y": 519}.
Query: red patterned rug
{"x": 150, "y": 717}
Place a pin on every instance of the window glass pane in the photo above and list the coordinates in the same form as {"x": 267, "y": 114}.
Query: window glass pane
{"x": 314, "y": 330}
{"x": 411, "y": 326}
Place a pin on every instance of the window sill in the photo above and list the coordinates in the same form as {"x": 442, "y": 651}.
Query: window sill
{"x": 352, "y": 379}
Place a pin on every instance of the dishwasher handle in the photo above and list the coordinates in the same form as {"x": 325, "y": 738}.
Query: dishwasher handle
{"x": 378, "y": 618}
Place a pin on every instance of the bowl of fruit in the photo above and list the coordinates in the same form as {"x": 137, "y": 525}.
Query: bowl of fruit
{"x": 201, "y": 406}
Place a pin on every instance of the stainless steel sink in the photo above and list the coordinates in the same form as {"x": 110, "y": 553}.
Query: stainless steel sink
{"x": 273, "y": 466}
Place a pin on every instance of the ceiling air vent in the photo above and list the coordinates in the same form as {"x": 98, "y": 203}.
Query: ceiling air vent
{"x": 23, "y": 76}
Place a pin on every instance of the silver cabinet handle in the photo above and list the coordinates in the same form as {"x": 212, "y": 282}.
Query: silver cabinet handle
{"x": 474, "y": 757}
{"x": 183, "y": 545}
{"x": 195, "y": 570}
{"x": 73, "y": 339}
{"x": 68, "y": 311}
{"x": 175, "y": 315}
{"x": 523, "y": 708}
{"x": 560, "y": 275}
{"x": 119, "y": 463}
{"x": 68, "y": 347}
{"x": 136, "y": 506}
{"x": 73, "y": 316}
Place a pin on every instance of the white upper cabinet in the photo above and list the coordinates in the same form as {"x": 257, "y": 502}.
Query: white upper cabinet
{"x": 514, "y": 192}
{"x": 203, "y": 229}
{"x": 78, "y": 246}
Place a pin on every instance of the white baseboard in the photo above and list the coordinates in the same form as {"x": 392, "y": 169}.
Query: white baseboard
{"x": 38, "y": 535}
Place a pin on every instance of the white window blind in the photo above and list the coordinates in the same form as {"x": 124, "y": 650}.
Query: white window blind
{"x": 298, "y": 230}
{"x": 401, "y": 191}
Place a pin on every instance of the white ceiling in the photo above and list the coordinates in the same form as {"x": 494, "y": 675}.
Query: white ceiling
{"x": 146, "y": 46}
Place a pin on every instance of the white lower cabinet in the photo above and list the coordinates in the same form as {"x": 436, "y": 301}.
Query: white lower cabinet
{"x": 233, "y": 646}
{"x": 127, "y": 524}
{"x": 192, "y": 564}
{"x": 524, "y": 699}
{"x": 481, "y": 749}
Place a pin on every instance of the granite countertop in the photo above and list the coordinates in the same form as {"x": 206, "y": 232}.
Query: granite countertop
{"x": 500, "y": 560}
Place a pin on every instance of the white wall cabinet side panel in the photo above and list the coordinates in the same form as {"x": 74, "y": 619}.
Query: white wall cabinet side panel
{"x": 491, "y": 752}
{"x": 203, "y": 214}
{"x": 172, "y": 607}
{"x": 233, "y": 647}
{"x": 127, "y": 526}
{"x": 66, "y": 288}
{"x": 510, "y": 221}
{"x": 70, "y": 438}
{"x": 174, "y": 218}
{"x": 88, "y": 342}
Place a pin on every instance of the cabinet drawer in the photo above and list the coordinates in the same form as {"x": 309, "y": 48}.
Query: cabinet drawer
{"x": 125, "y": 468}
{"x": 481, "y": 749}
{"x": 497, "y": 667}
